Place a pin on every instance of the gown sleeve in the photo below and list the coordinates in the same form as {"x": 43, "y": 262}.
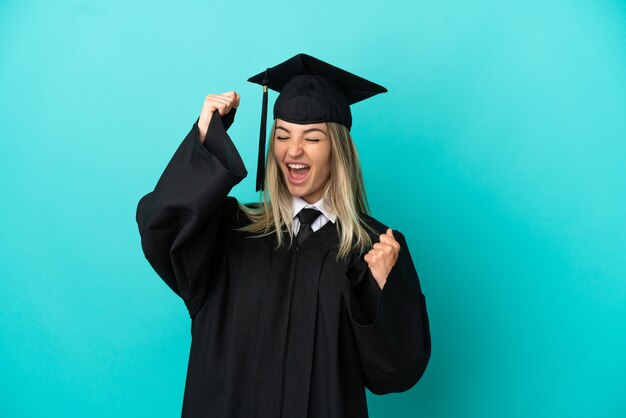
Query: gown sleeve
{"x": 185, "y": 222}
{"x": 390, "y": 326}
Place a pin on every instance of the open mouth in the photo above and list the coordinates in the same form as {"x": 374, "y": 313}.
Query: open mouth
{"x": 297, "y": 172}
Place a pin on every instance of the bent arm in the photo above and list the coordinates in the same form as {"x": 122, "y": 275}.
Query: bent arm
{"x": 390, "y": 326}
{"x": 184, "y": 222}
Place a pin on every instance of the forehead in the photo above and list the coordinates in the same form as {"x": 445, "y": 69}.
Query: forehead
{"x": 296, "y": 127}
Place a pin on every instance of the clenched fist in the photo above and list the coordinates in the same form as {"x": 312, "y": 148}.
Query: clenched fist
{"x": 221, "y": 103}
{"x": 382, "y": 257}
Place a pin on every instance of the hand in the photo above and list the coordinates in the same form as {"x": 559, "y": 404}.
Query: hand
{"x": 221, "y": 103}
{"x": 382, "y": 257}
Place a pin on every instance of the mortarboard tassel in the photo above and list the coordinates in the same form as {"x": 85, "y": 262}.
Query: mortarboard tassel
{"x": 260, "y": 170}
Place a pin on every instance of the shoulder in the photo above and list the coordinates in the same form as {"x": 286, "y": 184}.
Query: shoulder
{"x": 374, "y": 224}
{"x": 377, "y": 228}
{"x": 252, "y": 205}
{"x": 247, "y": 213}
{"x": 234, "y": 212}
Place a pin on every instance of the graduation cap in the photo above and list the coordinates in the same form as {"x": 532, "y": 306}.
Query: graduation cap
{"x": 311, "y": 91}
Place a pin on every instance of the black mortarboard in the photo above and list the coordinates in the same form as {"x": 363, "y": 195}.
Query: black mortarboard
{"x": 311, "y": 91}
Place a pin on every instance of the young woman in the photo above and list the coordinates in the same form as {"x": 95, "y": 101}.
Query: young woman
{"x": 300, "y": 302}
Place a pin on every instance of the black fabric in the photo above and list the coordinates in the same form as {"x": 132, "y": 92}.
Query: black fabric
{"x": 313, "y": 99}
{"x": 276, "y": 331}
{"x": 306, "y": 217}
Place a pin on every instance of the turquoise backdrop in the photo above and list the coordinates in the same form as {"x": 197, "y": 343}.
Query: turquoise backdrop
{"x": 499, "y": 151}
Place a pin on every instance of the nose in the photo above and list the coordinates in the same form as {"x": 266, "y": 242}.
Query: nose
{"x": 294, "y": 148}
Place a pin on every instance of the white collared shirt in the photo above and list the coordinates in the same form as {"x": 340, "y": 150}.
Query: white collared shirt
{"x": 299, "y": 204}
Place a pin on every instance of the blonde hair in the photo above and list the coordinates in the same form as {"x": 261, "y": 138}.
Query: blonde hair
{"x": 344, "y": 195}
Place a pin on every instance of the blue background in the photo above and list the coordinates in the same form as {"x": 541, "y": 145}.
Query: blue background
{"x": 499, "y": 151}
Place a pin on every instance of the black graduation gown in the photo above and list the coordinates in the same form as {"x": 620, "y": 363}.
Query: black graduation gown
{"x": 276, "y": 332}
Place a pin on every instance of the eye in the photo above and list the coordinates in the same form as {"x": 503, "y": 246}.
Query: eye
{"x": 281, "y": 138}
{"x": 312, "y": 140}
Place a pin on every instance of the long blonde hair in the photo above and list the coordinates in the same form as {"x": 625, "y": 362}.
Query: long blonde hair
{"x": 344, "y": 195}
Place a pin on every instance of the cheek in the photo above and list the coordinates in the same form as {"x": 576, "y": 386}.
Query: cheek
{"x": 279, "y": 151}
{"x": 327, "y": 170}
{"x": 325, "y": 164}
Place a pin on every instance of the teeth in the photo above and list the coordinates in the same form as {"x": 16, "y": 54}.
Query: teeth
{"x": 297, "y": 166}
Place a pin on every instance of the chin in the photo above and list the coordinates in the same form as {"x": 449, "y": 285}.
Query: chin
{"x": 298, "y": 192}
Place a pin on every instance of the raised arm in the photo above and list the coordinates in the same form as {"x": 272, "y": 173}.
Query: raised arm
{"x": 186, "y": 221}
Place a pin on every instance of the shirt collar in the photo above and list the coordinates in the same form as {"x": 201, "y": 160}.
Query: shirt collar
{"x": 299, "y": 204}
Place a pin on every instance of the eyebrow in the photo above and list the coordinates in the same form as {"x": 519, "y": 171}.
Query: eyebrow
{"x": 305, "y": 132}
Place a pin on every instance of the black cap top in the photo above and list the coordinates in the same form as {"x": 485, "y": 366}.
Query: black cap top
{"x": 311, "y": 91}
